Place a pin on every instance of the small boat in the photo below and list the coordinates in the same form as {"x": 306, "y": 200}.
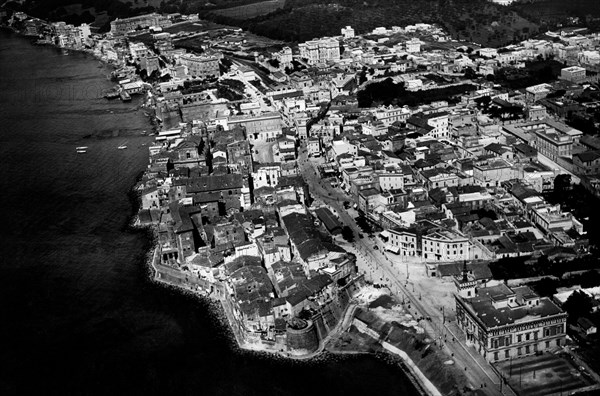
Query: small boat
{"x": 122, "y": 147}
{"x": 81, "y": 148}
{"x": 81, "y": 151}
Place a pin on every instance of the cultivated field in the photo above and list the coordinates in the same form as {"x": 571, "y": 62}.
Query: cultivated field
{"x": 250, "y": 11}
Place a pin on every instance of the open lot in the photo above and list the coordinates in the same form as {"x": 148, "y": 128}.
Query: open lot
{"x": 544, "y": 375}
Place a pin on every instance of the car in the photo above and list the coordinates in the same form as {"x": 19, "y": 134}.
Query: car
{"x": 361, "y": 236}
{"x": 376, "y": 247}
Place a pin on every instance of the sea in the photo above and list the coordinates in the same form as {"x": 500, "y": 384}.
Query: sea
{"x": 79, "y": 311}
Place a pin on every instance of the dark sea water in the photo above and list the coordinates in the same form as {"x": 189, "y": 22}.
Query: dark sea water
{"x": 78, "y": 313}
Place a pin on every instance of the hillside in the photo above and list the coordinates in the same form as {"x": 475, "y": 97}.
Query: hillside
{"x": 478, "y": 21}
{"x": 474, "y": 20}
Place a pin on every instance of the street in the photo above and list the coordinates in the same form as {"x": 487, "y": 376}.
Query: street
{"x": 429, "y": 298}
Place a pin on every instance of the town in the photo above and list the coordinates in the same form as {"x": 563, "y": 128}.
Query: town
{"x": 349, "y": 193}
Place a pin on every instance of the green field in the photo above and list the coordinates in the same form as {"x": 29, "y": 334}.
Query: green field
{"x": 250, "y": 11}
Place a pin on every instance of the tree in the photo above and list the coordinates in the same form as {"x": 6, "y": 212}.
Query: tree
{"x": 562, "y": 183}
{"x": 347, "y": 234}
{"x": 590, "y": 279}
{"x": 546, "y": 287}
{"x": 578, "y": 304}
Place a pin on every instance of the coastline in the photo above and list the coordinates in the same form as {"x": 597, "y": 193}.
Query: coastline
{"x": 413, "y": 373}
{"x": 218, "y": 306}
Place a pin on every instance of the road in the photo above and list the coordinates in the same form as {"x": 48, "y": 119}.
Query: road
{"x": 554, "y": 166}
{"x": 407, "y": 280}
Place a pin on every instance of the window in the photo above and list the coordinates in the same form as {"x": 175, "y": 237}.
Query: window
{"x": 506, "y": 354}
{"x": 527, "y": 337}
{"x": 558, "y": 342}
{"x": 519, "y": 351}
{"x": 519, "y": 338}
{"x": 547, "y": 344}
{"x": 527, "y": 349}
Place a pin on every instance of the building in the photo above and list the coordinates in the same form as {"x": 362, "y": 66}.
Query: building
{"x": 537, "y": 92}
{"x": 347, "y": 32}
{"x": 266, "y": 175}
{"x": 138, "y": 50}
{"x": 433, "y": 125}
{"x": 587, "y": 163}
{"x": 204, "y": 66}
{"x": 119, "y": 27}
{"x": 150, "y": 64}
{"x": 413, "y": 45}
{"x": 445, "y": 245}
{"x": 320, "y": 51}
{"x": 550, "y": 217}
{"x": 434, "y": 178}
{"x": 314, "y": 147}
{"x": 504, "y": 323}
{"x": 492, "y": 172}
{"x": 574, "y": 74}
{"x": 329, "y": 221}
{"x": 261, "y": 127}
{"x": 391, "y": 181}
{"x": 552, "y": 143}
{"x": 401, "y": 241}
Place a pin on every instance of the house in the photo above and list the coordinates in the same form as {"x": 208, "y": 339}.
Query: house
{"x": 586, "y": 326}
{"x": 587, "y": 163}
{"x": 442, "y": 178}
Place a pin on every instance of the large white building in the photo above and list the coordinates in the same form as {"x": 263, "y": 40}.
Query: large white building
{"x": 119, "y": 27}
{"x": 445, "y": 245}
{"x": 201, "y": 66}
{"x": 320, "y": 51}
{"x": 348, "y": 32}
{"x": 574, "y": 74}
{"x": 503, "y": 323}
{"x": 503, "y": 2}
{"x": 266, "y": 175}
